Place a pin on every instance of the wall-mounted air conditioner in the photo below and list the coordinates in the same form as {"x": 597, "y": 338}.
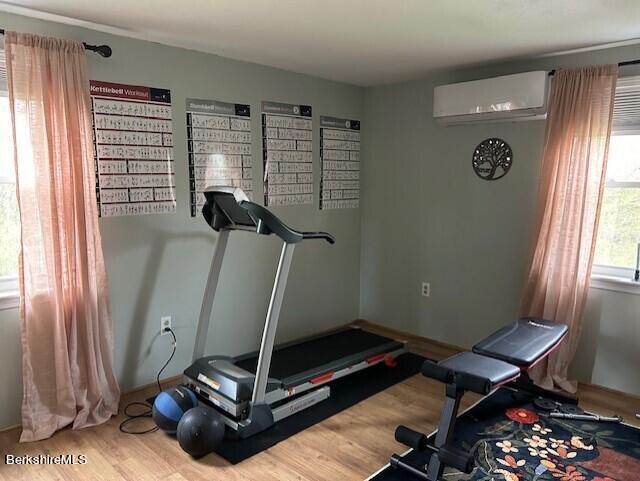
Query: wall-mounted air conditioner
{"x": 520, "y": 96}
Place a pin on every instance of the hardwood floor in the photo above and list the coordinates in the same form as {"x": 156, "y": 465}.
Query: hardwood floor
{"x": 348, "y": 446}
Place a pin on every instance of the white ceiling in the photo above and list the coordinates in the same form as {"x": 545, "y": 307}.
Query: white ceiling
{"x": 364, "y": 42}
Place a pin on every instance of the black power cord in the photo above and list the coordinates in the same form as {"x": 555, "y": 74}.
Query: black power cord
{"x": 148, "y": 407}
{"x": 173, "y": 352}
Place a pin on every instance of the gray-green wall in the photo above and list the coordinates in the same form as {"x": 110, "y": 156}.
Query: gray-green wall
{"x": 427, "y": 217}
{"x": 424, "y": 216}
{"x": 157, "y": 265}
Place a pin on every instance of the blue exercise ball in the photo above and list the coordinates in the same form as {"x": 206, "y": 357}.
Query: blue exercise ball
{"x": 170, "y": 405}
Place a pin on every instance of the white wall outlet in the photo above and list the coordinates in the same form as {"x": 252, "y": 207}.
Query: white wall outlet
{"x": 165, "y": 323}
{"x": 426, "y": 289}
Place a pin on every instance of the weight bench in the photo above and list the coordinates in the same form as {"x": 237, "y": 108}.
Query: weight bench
{"x": 495, "y": 361}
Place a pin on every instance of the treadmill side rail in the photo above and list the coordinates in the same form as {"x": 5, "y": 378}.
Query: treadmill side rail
{"x": 285, "y": 392}
{"x": 300, "y": 403}
{"x": 347, "y": 364}
{"x": 243, "y": 428}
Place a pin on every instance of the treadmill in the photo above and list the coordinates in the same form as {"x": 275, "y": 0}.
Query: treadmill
{"x": 255, "y": 390}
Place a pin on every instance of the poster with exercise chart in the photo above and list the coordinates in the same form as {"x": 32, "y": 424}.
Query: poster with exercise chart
{"x": 340, "y": 163}
{"x": 287, "y": 134}
{"x": 219, "y": 148}
{"x": 133, "y": 148}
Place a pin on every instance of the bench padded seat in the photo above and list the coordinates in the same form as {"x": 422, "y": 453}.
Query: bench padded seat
{"x": 524, "y": 342}
{"x": 491, "y": 372}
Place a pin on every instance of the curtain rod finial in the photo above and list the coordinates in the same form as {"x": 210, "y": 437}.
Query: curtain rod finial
{"x": 102, "y": 50}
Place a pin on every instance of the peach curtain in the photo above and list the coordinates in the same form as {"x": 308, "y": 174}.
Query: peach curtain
{"x": 67, "y": 339}
{"x": 576, "y": 145}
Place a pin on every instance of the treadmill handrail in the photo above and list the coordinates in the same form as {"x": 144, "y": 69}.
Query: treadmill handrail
{"x": 319, "y": 235}
{"x": 267, "y": 223}
{"x": 228, "y": 208}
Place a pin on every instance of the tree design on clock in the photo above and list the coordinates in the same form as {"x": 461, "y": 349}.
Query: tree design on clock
{"x": 492, "y": 159}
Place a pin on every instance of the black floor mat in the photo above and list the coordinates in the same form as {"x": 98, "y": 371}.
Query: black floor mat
{"x": 345, "y": 392}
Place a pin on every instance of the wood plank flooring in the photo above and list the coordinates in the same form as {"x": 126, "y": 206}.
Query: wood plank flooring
{"x": 348, "y": 446}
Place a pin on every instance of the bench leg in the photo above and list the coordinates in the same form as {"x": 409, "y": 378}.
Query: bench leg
{"x": 526, "y": 385}
{"x": 446, "y": 427}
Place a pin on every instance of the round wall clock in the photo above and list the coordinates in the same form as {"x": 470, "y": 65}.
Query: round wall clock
{"x": 492, "y": 159}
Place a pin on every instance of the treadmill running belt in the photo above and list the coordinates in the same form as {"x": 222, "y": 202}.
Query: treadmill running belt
{"x": 316, "y": 352}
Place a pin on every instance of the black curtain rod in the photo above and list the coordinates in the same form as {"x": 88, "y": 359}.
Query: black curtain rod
{"x": 102, "y": 50}
{"x": 620, "y": 64}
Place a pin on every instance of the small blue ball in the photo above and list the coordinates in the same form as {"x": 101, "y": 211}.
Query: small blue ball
{"x": 170, "y": 405}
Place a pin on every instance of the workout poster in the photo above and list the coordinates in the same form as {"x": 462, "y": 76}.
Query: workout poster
{"x": 340, "y": 163}
{"x": 288, "y": 160}
{"x": 219, "y": 148}
{"x": 133, "y": 147}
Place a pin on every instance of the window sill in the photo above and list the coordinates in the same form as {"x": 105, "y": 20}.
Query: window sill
{"x": 614, "y": 283}
{"x": 9, "y": 300}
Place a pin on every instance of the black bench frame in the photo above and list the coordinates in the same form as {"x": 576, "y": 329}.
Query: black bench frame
{"x": 489, "y": 356}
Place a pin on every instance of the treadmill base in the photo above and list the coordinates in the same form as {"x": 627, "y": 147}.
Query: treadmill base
{"x": 345, "y": 393}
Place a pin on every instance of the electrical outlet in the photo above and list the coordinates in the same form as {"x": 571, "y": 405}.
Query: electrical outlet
{"x": 165, "y": 323}
{"x": 426, "y": 289}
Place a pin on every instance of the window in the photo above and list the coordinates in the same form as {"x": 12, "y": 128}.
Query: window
{"x": 619, "y": 231}
{"x": 9, "y": 218}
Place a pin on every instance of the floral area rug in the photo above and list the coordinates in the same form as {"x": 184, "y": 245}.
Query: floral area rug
{"x": 513, "y": 440}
